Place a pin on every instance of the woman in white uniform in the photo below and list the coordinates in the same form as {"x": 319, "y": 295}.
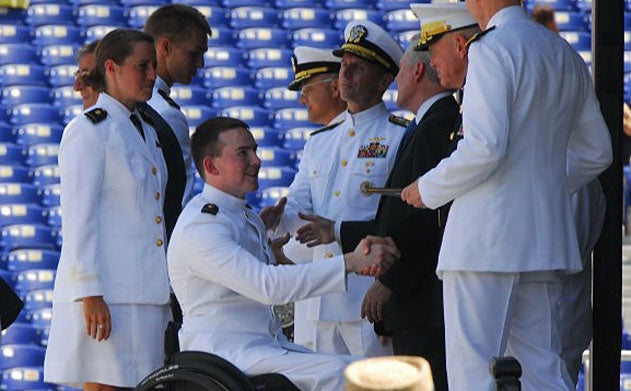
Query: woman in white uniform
{"x": 110, "y": 306}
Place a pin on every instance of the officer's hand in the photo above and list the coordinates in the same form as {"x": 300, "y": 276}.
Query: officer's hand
{"x": 98, "y": 324}
{"x": 277, "y": 247}
{"x": 271, "y": 215}
{"x": 318, "y": 231}
{"x": 411, "y": 196}
{"x": 374, "y": 301}
{"x": 381, "y": 256}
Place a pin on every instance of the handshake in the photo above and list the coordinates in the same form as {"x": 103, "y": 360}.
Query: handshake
{"x": 373, "y": 256}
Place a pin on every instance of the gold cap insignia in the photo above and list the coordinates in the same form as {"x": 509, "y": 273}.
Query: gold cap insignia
{"x": 357, "y": 34}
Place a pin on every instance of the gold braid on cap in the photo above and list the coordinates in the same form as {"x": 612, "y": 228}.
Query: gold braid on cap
{"x": 310, "y": 72}
{"x": 362, "y": 51}
{"x": 429, "y": 30}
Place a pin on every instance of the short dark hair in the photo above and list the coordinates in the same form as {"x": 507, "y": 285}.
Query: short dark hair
{"x": 176, "y": 22}
{"x": 205, "y": 139}
{"x": 116, "y": 45}
{"x": 86, "y": 49}
{"x": 543, "y": 14}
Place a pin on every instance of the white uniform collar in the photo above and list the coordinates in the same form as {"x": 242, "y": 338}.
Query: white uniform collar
{"x": 107, "y": 101}
{"x": 223, "y": 200}
{"x": 505, "y": 14}
{"x": 369, "y": 116}
{"x": 162, "y": 85}
{"x": 338, "y": 118}
{"x": 428, "y": 103}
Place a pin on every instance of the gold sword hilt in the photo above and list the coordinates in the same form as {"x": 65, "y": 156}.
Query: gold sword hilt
{"x": 366, "y": 188}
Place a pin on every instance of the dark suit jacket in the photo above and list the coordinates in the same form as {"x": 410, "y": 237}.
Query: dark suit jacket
{"x": 417, "y": 292}
{"x": 172, "y": 153}
{"x": 10, "y": 305}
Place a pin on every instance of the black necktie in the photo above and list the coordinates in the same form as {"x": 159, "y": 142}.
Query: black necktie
{"x": 405, "y": 138}
{"x": 134, "y": 119}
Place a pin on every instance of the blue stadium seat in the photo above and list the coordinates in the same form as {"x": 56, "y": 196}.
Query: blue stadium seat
{"x": 627, "y": 40}
{"x": 34, "y": 113}
{"x": 317, "y": 37}
{"x": 344, "y": 16}
{"x": 284, "y": 4}
{"x": 235, "y": 96}
{"x": 243, "y": 3}
{"x": 276, "y": 156}
{"x": 301, "y": 17}
{"x": 99, "y": 14}
{"x": 10, "y": 173}
{"x": 19, "y": 193}
{"x": 270, "y": 195}
{"x": 404, "y": 37}
{"x": 19, "y": 94}
{"x": 198, "y": 114}
{"x": 222, "y": 36}
{"x": 40, "y": 317}
{"x": 271, "y": 176}
{"x": 25, "y": 378}
{"x": 38, "y": 298}
{"x": 9, "y": 278}
{"x": 266, "y": 78}
{"x": 391, "y": 5}
{"x": 292, "y": 117}
{"x": 54, "y": 217}
{"x": 21, "y": 355}
{"x": 341, "y": 4}
{"x": 21, "y": 333}
{"x": 268, "y": 57}
{"x": 58, "y": 54}
{"x": 11, "y": 214}
{"x": 57, "y": 34}
{"x": 223, "y": 56}
{"x": 215, "y": 14}
{"x": 584, "y": 6}
{"x": 92, "y": 33}
{"x": 390, "y": 98}
{"x": 579, "y": 40}
{"x": 46, "y": 175}
{"x": 65, "y": 96}
{"x": 21, "y": 236}
{"x": 12, "y": 15}
{"x": 35, "y": 133}
{"x": 12, "y": 153}
{"x": 132, "y": 3}
{"x": 571, "y": 21}
{"x": 61, "y": 75}
{"x": 18, "y": 53}
{"x": 558, "y": 5}
{"x": 12, "y": 33}
{"x": 253, "y": 16}
{"x": 267, "y": 137}
{"x": 257, "y": 37}
{"x": 280, "y": 98}
{"x": 49, "y": 13}
{"x": 251, "y": 115}
{"x": 6, "y": 131}
{"x": 216, "y": 77}
{"x": 401, "y": 20}
{"x": 69, "y": 112}
{"x": 295, "y": 138}
{"x": 191, "y": 95}
{"x": 41, "y": 154}
{"x": 27, "y": 259}
{"x": 138, "y": 14}
{"x": 28, "y": 74}
{"x": 51, "y": 194}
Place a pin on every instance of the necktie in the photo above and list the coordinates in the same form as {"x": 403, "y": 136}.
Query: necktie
{"x": 406, "y": 136}
{"x": 134, "y": 119}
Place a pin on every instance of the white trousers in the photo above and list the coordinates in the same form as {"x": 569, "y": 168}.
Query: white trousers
{"x": 354, "y": 338}
{"x": 503, "y": 314}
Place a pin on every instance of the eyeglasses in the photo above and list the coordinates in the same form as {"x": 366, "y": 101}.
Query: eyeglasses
{"x": 81, "y": 72}
{"x": 304, "y": 91}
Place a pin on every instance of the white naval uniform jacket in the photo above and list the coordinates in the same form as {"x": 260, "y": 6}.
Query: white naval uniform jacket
{"x": 511, "y": 209}
{"x": 111, "y": 195}
{"x": 333, "y": 165}
{"x": 223, "y": 274}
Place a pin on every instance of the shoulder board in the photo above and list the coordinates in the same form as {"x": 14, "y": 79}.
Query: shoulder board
{"x": 142, "y": 110}
{"x": 398, "y": 120}
{"x": 210, "y": 209}
{"x": 96, "y": 115}
{"x": 168, "y": 99}
{"x": 479, "y": 35}
{"x": 326, "y": 128}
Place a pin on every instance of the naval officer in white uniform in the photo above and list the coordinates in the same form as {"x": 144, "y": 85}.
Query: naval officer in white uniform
{"x": 110, "y": 305}
{"x": 533, "y": 135}
{"x": 335, "y": 161}
{"x": 224, "y": 273}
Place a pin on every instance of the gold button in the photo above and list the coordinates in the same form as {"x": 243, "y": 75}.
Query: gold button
{"x": 315, "y": 172}
{"x": 328, "y": 254}
{"x": 344, "y": 163}
{"x": 351, "y": 133}
{"x": 154, "y": 170}
{"x": 337, "y": 193}
{"x": 159, "y": 242}
{"x": 367, "y": 170}
{"x": 158, "y": 220}
{"x": 157, "y": 195}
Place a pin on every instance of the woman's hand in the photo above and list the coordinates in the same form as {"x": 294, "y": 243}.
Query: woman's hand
{"x": 98, "y": 323}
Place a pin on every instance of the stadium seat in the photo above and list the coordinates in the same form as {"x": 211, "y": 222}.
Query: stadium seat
{"x": 271, "y": 176}
{"x": 54, "y": 217}
{"x": 21, "y": 333}
{"x": 28, "y": 259}
{"x": 291, "y": 118}
{"x": 295, "y": 138}
{"x": 216, "y": 15}
{"x": 191, "y": 95}
{"x": 25, "y": 378}
{"x": 27, "y": 74}
{"x": 65, "y": 96}
{"x": 12, "y": 15}
{"x": 627, "y": 61}
{"x": 19, "y": 193}
{"x": 235, "y": 96}
{"x": 92, "y": 33}
{"x": 224, "y": 56}
{"x": 344, "y": 16}
{"x": 21, "y": 355}
{"x": 57, "y": 34}
{"x": 58, "y": 54}
{"x": 50, "y": 13}
{"x": 21, "y": 236}
{"x": 401, "y": 20}
{"x": 61, "y": 75}
{"x": 391, "y": 5}
{"x": 390, "y": 98}
{"x": 138, "y": 14}
{"x": 266, "y": 136}
{"x": 268, "y": 57}
{"x": 284, "y": 4}
{"x": 69, "y": 112}
{"x": 252, "y": 115}
{"x": 9, "y": 278}
{"x": 18, "y": 53}
{"x": 557, "y": 5}
{"x": 40, "y": 317}
{"x": 302, "y": 17}
{"x": 256, "y": 37}
{"x": 34, "y": 113}
{"x": 197, "y": 114}
{"x": 12, "y": 33}
{"x": 19, "y": 94}
{"x": 222, "y": 36}
{"x": 216, "y": 77}
{"x": 36, "y": 133}
{"x": 100, "y": 14}
{"x": 12, "y": 154}
{"x": 270, "y": 195}
{"x": 46, "y": 175}
{"x": 341, "y": 4}
{"x": 244, "y": 3}
{"x": 276, "y": 156}
{"x": 38, "y": 298}
{"x": 11, "y": 214}
{"x": 6, "y": 132}
{"x": 51, "y": 195}
{"x": 132, "y": 3}
{"x": 15, "y": 173}
{"x": 571, "y": 21}
{"x": 280, "y": 98}
{"x": 41, "y": 154}
{"x": 266, "y": 78}
{"x": 579, "y": 40}
{"x": 317, "y": 37}
{"x": 253, "y": 16}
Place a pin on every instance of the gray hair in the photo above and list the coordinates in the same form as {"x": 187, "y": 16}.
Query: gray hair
{"x": 421, "y": 56}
